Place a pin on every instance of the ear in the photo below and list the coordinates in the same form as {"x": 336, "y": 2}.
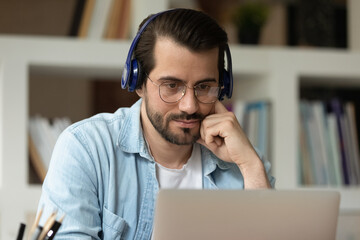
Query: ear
{"x": 140, "y": 92}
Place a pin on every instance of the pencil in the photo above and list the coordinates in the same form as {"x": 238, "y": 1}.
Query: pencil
{"x": 48, "y": 224}
{"x": 36, "y": 223}
{"x": 35, "y": 235}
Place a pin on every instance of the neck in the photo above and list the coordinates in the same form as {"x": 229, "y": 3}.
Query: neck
{"x": 165, "y": 153}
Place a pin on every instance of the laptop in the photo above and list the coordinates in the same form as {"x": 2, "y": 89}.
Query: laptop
{"x": 249, "y": 215}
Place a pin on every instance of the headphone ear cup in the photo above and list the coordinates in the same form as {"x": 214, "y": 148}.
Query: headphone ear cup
{"x": 228, "y": 76}
{"x": 134, "y": 75}
{"x": 125, "y": 76}
{"x": 226, "y": 84}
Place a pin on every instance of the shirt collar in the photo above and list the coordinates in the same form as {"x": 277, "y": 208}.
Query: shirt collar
{"x": 210, "y": 161}
{"x": 131, "y": 138}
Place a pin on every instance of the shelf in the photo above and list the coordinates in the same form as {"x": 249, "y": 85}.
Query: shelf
{"x": 71, "y": 55}
{"x": 349, "y": 201}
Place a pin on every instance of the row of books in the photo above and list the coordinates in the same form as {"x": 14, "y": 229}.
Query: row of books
{"x": 254, "y": 118}
{"x": 328, "y": 143}
{"x": 101, "y": 19}
{"x": 43, "y": 135}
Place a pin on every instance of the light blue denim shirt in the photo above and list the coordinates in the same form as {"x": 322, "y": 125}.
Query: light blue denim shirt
{"x": 103, "y": 178}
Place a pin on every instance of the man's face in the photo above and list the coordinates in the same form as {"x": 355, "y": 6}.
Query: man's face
{"x": 179, "y": 122}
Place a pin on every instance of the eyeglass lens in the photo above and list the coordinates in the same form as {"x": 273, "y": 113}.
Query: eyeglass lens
{"x": 173, "y": 91}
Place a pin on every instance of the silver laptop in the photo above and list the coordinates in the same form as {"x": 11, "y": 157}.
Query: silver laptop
{"x": 249, "y": 215}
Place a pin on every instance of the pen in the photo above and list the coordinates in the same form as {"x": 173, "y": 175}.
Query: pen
{"x": 21, "y": 231}
{"x": 48, "y": 224}
{"x": 53, "y": 230}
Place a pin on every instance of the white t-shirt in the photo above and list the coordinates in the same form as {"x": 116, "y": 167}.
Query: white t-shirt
{"x": 189, "y": 176}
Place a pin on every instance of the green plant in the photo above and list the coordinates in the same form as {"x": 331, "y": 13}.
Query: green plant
{"x": 249, "y": 18}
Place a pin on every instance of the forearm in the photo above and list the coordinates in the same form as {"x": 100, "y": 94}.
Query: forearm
{"x": 254, "y": 173}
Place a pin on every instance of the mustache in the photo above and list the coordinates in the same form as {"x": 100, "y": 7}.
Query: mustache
{"x": 185, "y": 116}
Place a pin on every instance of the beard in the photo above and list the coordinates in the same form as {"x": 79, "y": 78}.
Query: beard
{"x": 161, "y": 124}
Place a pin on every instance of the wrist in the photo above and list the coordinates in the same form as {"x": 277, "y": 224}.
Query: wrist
{"x": 254, "y": 173}
{"x": 252, "y": 164}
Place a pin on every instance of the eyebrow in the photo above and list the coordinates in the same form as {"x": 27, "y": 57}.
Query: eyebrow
{"x": 171, "y": 78}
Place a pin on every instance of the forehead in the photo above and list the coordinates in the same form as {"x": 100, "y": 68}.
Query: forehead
{"x": 176, "y": 60}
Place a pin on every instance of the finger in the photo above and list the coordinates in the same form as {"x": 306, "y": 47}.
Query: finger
{"x": 220, "y": 108}
{"x": 218, "y": 119}
{"x": 211, "y": 145}
{"x": 212, "y": 135}
{"x": 218, "y": 141}
{"x": 201, "y": 141}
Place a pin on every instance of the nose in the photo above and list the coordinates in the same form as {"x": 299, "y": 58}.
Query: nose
{"x": 189, "y": 103}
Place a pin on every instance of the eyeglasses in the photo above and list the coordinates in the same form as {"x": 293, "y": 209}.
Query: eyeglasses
{"x": 172, "y": 91}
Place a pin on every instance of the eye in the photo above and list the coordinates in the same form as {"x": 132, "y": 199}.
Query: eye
{"x": 172, "y": 85}
{"x": 203, "y": 87}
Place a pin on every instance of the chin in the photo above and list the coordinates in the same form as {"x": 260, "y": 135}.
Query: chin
{"x": 183, "y": 136}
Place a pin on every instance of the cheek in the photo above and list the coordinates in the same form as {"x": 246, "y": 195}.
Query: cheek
{"x": 153, "y": 99}
{"x": 159, "y": 106}
{"x": 207, "y": 109}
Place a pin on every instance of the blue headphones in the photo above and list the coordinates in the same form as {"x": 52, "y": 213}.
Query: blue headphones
{"x": 131, "y": 70}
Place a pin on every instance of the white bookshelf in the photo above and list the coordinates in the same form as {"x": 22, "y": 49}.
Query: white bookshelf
{"x": 260, "y": 73}
{"x": 19, "y": 56}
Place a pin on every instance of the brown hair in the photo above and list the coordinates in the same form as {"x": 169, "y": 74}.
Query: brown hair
{"x": 190, "y": 28}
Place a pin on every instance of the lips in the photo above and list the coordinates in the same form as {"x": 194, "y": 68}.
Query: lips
{"x": 187, "y": 123}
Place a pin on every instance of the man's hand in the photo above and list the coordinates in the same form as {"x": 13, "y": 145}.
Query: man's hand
{"x": 222, "y": 134}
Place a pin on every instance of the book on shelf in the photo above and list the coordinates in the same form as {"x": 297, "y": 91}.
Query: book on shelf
{"x": 320, "y": 135}
{"x": 124, "y": 28}
{"x": 113, "y": 23}
{"x": 36, "y": 160}
{"x": 328, "y": 144}
{"x": 118, "y": 24}
{"x": 86, "y": 18}
{"x": 43, "y": 135}
{"x": 312, "y": 166}
{"x": 334, "y": 149}
{"x": 337, "y": 108}
{"x": 101, "y": 19}
{"x": 76, "y": 19}
{"x": 254, "y": 118}
{"x": 306, "y": 176}
{"x": 353, "y": 143}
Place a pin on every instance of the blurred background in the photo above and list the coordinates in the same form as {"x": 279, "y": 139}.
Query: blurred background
{"x": 296, "y": 70}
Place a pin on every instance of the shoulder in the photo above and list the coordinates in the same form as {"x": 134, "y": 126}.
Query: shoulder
{"x": 105, "y": 125}
{"x": 99, "y": 121}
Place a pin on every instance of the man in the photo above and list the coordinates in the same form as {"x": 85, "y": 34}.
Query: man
{"x": 106, "y": 170}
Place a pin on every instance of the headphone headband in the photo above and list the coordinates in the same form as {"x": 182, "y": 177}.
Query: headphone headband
{"x": 126, "y": 80}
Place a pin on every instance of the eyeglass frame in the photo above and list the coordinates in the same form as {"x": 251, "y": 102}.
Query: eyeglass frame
{"x": 184, "y": 91}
